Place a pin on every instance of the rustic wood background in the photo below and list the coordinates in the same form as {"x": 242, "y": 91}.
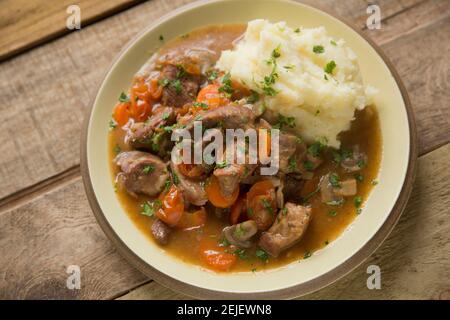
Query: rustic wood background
{"x": 47, "y": 77}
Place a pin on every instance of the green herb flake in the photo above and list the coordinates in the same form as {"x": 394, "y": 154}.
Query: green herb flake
{"x": 167, "y": 185}
{"x": 149, "y": 208}
{"x": 357, "y": 201}
{"x": 213, "y": 75}
{"x": 112, "y": 124}
{"x": 359, "y": 177}
{"x": 175, "y": 178}
{"x": 176, "y": 84}
{"x": 254, "y": 97}
{"x": 325, "y": 77}
{"x": 254, "y": 270}
{"x": 117, "y": 149}
{"x": 224, "y": 242}
{"x": 327, "y": 242}
{"x": 262, "y": 255}
{"x": 124, "y": 97}
{"x": 267, "y": 205}
{"x": 317, "y": 147}
{"x": 333, "y": 42}
{"x": 161, "y": 37}
{"x": 297, "y": 30}
{"x": 202, "y": 105}
{"x": 165, "y": 116}
{"x": 318, "y": 49}
{"x": 292, "y": 165}
{"x": 148, "y": 169}
{"x": 284, "y": 211}
{"x": 163, "y": 82}
{"x": 308, "y": 165}
{"x": 241, "y": 253}
{"x": 332, "y": 213}
{"x": 334, "y": 180}
{"x": 250, "y": 212}
{"x": 329, "y": 68}
{"x": 226, "y": 84}
{"x": 361, "y": 163}
{"x": 307, "y": 255}
{"x": 374, "y": 182}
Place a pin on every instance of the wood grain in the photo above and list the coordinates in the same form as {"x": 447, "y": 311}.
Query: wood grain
{"x": 25, "y": 23}
{"x": 414, "y": 260}
{"x": 47, "y": 97}
{"x": 48, "y": 225}
{"x": 40, "y": 239}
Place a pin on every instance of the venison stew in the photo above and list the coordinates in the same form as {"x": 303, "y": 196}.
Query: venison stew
{"x": 316, "y": 161}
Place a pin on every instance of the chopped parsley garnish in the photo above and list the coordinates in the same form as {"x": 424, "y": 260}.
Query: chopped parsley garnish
{"x": 161, "y": 37}
{"x": 292, "y": 164}
{"x": 284, "y": 121}
{"x": 308, "y": 165}
{"x": 254, "y": 270}
{"x": 359, "y": 177}
{"x": 112, "y": 124}
{"x": 176, "y": 84}
{"x": 124, "y": 98}
{"x": 240, "y": 253}
{"x": 149, "y": 207}
{"x": 325, "y": 77}
{"x": 358, "y": 211}
{"x": 307, "y": 255}
{"x": 165, "y": 116}
{"x": 316, "y": 148}
{"x": 202, "y": 105}
{"x": 267, "y": 205}
{"x": 148, "y": 169}
{"x": 239, "y": 231}
{"x": 175, "y": 178}
{"x": 330, "y": 67}
{"x": 340, "y": 155}
{"x": 117, "y": 149}
{"x": 318, "y": 49}
{"x": 180, "y": 71}
{"x": 213, "y": 75}
{"x": 335, "y": 202}
{"x": 284, "y": 211}
{"x": 334, "y": 180}
{"x": 333, "y": 42}
{"x": 361, "y": 163}
{"x": 332, "y": 213}
{"x": 267, "y": 83}
{"x": 297, "y": 30}
{"x": 250, "y": 212}
{"x": 221, "y": 165}
{"x": 262, "y": 255}
{"x": 167, "y": 185}
{"x": 226, "y": 84}
{"x": 164, "y": 82}
{"x": 224, "y": 242}
{"x": 327, "y": 242}
{"x": 357, "y": 201}
{"x": 254, "y": 97}
{"x": 374, "y": 182}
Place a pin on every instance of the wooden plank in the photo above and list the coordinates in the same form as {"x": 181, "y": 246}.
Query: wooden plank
{"x": 414, "y": 260}
{"x": 40, "y": 239}
{"x": 57, "y": 80}
{"x": 25, "y": 23}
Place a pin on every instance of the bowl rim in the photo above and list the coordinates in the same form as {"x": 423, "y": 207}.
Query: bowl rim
{"x": 285, "y": 293}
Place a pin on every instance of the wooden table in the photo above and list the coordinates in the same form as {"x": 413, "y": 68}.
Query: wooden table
{"x": 47, "y": 77}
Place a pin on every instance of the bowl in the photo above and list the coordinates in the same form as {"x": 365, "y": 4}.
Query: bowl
{"x": 382, "y": 209}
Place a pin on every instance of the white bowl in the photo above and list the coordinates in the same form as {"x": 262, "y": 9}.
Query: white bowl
{"x": 358, "y": 241}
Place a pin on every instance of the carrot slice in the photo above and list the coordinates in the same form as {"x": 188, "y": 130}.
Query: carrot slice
{"x": 215, "y": 196}
{"x": 259, "y": 188}
{"x": 122, "y": 113}
{"x": 216, "y": 257}
{"x": 172, "y": 208}
{"x": 211, "y": 96}
{"x": 191, "y": 170}
{"x": 155, "y": 89}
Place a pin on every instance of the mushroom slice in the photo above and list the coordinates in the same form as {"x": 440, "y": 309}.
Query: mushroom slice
{"x": 240, "y": 234}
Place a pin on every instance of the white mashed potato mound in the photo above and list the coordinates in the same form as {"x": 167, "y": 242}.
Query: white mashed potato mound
{"x": 322, "y": 104}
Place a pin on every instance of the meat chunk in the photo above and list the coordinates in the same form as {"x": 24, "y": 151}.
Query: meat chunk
{"x": 180, "y": 87}
{"x": 292, "y": 187}
{"x": 225, "y": 117}
{"x": 355, "y": 161}
{"x": 193, "y": 190}
{"x": 142, "y": 173}
{"x": 262, "y": 209}
{"x": 148, "y": 135}
{"x": 160, "y": 231}
{"x": 241, "y": 233}
{"x": 332, "y": 190}
{"x": 288, "y": 229}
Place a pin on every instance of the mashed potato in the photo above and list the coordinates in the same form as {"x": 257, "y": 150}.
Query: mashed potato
{"x": 301, "y": 73}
